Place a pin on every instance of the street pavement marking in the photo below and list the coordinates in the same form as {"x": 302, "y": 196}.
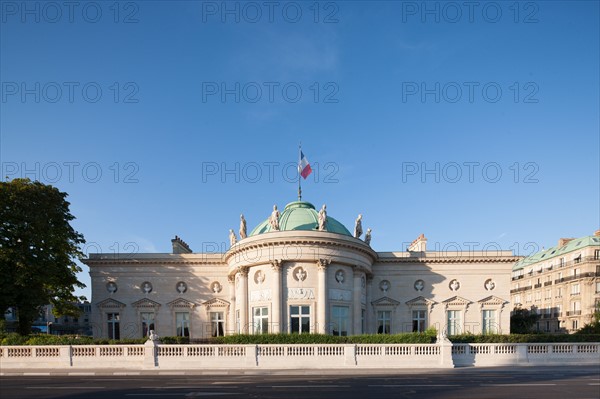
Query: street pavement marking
{"x": 304, "y": 386}
{"x": 81, "y": 387}
{"x": 77, "y": 373}
{"x": 190, "y": 387}
{"x": 415, "y": 385}
{"x": 516, "y": 385}
{"x": 34, "y": 374}
{"x": 191, "y": 394}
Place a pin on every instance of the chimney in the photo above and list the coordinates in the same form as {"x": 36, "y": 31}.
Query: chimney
{"x": 563, "y": 241}
{"x": 418, "y": 245}
{"x": 180, "y": 246}
{"x": 597, "y": 233}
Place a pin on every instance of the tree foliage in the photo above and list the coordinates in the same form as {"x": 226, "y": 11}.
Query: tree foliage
{"x": 522, "y": 320}
{"x": 38, "y": 248}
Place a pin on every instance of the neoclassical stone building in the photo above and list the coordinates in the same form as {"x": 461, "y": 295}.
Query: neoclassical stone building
{"x": 302, "y": 272}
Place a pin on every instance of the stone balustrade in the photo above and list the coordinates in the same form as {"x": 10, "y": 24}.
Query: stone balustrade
{"x": 389, "y": 356}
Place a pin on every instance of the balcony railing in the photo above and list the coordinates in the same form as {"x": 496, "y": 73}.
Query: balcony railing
{"x": 520, "y": 289}
{"x": 574, "y": 313}
{"x": 547, "y": 283}
{"x": 537, "y": 285}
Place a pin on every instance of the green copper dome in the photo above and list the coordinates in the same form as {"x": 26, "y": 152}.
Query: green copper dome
{"x": 300, "y": 215}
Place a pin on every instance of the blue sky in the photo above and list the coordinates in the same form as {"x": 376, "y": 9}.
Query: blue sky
{"x": 163, "y": 118}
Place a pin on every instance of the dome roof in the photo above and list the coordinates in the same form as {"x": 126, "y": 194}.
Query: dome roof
{"x": 301, "y": 215}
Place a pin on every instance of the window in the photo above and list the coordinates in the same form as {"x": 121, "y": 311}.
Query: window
{"x": 418, "y": 320}
{"x": 182, "y": 324}
{"x": 453, "y": 319}
{"x": 261, "y": 320}
{"x": 384, "y": 321}
{"x": 362, "y": 321}
{"x": 300, "y": 319}
{"x": 575, "y": 289}
{"x": 596, "y": 254}
{"x": 559, "y": 292}
{"x": 548, "y": 294}
{"x": 339, "y": 318}
{"x": 114, "y": 331}
{"x": 577, "y": 259}
{"x": 147, "y": 323}
{"x": 558, "y": 310}
{"x": 238, "y": 324}
{"x": 576, "y": 272}
{"x": 597, "y": 286}
{"x": 517, "y": 299}
{"x": 538, "y": 296}
{"x": 528, "y": 297}
{"x": 489, "y": 322}
{"x": 561, "y": 262}
{"x": 547, "y": 326}
{"x": 575, "y": 324}
{"x": 217, "y": 324}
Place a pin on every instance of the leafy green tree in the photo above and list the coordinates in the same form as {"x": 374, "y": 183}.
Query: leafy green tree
{"x": 522, "y": 320}
{"x": 38, "y": 248}
{"x": 594, "y": 326}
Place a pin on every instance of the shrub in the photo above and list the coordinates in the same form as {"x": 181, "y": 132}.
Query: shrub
{"x": 281, "y": 339}
{"x": 523, "y": 338}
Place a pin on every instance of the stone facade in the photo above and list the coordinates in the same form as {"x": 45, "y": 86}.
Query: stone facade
{"x": 561, "y": 284}
{"x": 300, "y": 279}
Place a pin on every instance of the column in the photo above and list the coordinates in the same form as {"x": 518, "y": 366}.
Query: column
{"x": 356, "y": 305}
{"x": 243, "y": 272}
{"x": 231, "y": 316}
{"x": 369, "y": 322}
{"x": 321, "y": 327}
{"x": 276, "y": 322}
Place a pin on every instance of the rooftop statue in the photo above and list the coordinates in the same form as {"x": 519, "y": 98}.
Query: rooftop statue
{"x": 242, "y": 227}
{"x": 368, "y": 237}
{"x": 323, "y": 218}
{"x": 358, "y": 227}
{"x": 274, "y": 219}
{"x": 232, "y": 237}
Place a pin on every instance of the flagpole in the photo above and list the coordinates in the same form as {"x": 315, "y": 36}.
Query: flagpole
{"x": 299, "y": 160}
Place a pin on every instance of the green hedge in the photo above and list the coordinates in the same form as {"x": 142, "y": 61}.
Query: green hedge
{"x": 49, "y": 339}
{"x": 264, "y": 339}
{"x": 523, "y": 338}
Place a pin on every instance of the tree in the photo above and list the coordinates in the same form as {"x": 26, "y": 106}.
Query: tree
{"x": 522, "y": 320}
{"x": 38, "y": 248}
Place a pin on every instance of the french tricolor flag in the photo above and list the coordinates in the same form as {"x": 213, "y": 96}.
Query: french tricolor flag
{"x": 304, "y": 167}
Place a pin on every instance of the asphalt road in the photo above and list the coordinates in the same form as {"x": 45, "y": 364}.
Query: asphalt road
{"x": 525, "y": 382}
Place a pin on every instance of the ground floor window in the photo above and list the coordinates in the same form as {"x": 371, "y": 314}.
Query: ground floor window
{"x": 182, "y": 323}
{"x": 261, "y": 320}
{"x": 489, "y": 322}
{"x": 362, "y": 321}
{"x": 217, "y": 324}
{"x": 575, "y": 324}
{"x": 453, "y": 321}
{"x": 384, "y": 321}
{"x": 114, "y": 331}
{"x": 238, "y": 323}
{"x": 147, "y": 323}
{"x": 418, "y": 320}
{"x": 339, "y": 319}
{"x": 300, "y": 319}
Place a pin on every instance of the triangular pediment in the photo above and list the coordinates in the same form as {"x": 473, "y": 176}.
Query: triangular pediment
{"x": 145, "y": 303}
{"x": 492, "y": 300}
{"x": 181, "y": 303}
{"x": 456, "y": 301}
{"x": 385, "y": 301}
{"x": 110, "y": 303}
{"x": 216, "y": 303}
{"x": 420, "y": 301}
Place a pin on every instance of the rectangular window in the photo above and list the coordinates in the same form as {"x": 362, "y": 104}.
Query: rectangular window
{"x": 217, "y": 324}
{"x": 114, "y": 331}
{"x": 597, "y": 286}
{"x": 384, "y": 321}
{"x": 575, "y": 273}
{"x": 261, "y": 320}
{"x": 528, "y": 297}
{"x": 418, "y": 320}
{"x": 575, "y": 324}
{"x": 596, "y": 254}
{"x": 489, "y": 322}
{"x": 182, "y": 324}
{"x": 548, "y": 294}
{"x": 453, "y": 320}
{"x": 339, "y": 320}
{"x": 147, "y": 323}
{"x": 575, "y": 289}
{"x": 547, "y": 326}
{"x": 363, "y": 319}
{"x": 558, "y": 310}
{"x": 517, "y": 299}
{"x": 300, "y": 319}
{"x": 538, "y": 296}
{"x": 238, "y": 324}
{"x": 559, "y": 292}
{"x": 561, "y": 262}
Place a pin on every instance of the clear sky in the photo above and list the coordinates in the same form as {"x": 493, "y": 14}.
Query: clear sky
{"x": 475, "y": 123}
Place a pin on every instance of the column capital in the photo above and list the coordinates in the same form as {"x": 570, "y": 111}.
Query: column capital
{"x": 276, "y": 264}
{"x": 231, "y": 279}
{"x": 243, "y": 271}
{"x": 323, "y": 263}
